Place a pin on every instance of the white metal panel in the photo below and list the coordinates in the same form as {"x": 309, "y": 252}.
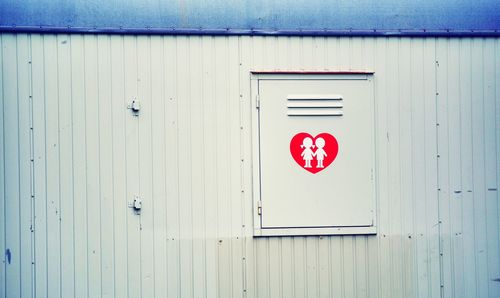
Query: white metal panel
{"x": 15, "y": 187}
{"x": 119, "y": 162}
{"x": 189, "y": 156}
{"x": 105, "y": 122}
{"x": 130, "y": 82}
{"x": 145, "y": 166}
{"x": 158, "y": 146}
{"x": 67, "y": 255}
{"x": 292, "y": 197}
{"x": 93, "y": 104}
{"x": 79, "y": 176}
{"x": 12, "y": 249}
{"x": 468, "y": 164}
{"x": 210, "y": 58}
{"x": 39, "y": 167}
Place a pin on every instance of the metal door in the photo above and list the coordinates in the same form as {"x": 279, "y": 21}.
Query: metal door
{"x": 300, "y": 117}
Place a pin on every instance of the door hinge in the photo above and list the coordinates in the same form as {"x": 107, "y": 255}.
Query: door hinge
{"x": 257, "y": 101}
{"x": 259, "y": 207}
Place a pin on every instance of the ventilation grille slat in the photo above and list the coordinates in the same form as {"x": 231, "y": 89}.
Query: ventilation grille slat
{"x": 314, "y": 105}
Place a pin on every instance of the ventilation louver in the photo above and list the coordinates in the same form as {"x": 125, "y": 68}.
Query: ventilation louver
{"x": 314, "y": 105}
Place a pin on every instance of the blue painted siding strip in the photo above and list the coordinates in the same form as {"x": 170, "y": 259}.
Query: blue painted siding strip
{"x": 256, "y": 17}
{"x": 174, "y": 31}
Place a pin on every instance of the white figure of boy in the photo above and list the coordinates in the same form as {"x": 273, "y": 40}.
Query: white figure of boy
{"x": 320, "y": 153}
{"x": 307, "y": 154}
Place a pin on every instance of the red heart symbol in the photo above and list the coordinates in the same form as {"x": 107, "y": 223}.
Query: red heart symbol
{"x": 314, "y": 154}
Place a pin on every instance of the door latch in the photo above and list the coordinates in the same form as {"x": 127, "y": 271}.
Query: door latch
{"x": 136, "y": 204}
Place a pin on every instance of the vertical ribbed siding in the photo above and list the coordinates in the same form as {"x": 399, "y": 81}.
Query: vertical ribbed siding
{"x": 402, "y": 261}
{"x": 468, "y": 132}
{"x": 188, "y": 156}
{"x": 15, "y": 159}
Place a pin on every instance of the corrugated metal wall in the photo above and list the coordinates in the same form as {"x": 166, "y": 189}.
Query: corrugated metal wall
{"x": 73, "y": 156}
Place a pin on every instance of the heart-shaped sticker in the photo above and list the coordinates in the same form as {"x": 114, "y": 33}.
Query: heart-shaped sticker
{"x": 314, "y": 154}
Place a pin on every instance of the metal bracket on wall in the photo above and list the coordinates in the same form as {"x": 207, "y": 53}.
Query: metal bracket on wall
{"x": 136, "y": 204}
{"x": 135, "y": 106}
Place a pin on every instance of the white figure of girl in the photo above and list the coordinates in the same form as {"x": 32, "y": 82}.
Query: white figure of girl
{"x": 307, "y": 154}
{"x": 320, "y": 153}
